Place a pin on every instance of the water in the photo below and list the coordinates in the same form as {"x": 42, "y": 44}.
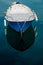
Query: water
{"x": 33, "y": 55}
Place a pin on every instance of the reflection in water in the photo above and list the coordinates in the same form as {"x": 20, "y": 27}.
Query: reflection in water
{"x": 20, "y": 43}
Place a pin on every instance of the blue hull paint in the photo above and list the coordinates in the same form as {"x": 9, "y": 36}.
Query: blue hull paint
{"x": 15, "y": 26}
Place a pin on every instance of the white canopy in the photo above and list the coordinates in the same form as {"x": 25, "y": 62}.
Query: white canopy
{"x": 19, "y": 13}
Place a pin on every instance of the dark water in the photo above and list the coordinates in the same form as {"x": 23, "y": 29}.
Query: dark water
{"x": 33, "y": 55}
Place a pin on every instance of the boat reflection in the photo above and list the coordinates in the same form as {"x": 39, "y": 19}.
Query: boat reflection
{"x": 20, "y": 43}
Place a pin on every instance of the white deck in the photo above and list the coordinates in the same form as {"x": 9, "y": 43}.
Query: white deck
{"x": 19, "y": 13}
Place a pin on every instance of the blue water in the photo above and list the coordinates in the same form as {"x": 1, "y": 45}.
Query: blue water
{"x": 33, "y": 55}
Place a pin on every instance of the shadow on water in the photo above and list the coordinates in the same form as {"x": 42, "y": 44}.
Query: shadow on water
{"x": 20, "y": 43}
